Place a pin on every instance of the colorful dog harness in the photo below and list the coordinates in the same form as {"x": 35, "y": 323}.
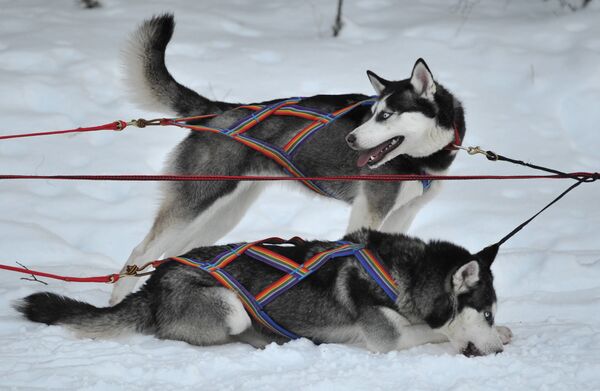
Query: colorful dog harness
{"x": 295, "y": 273}
{"x": 283, "y": 156}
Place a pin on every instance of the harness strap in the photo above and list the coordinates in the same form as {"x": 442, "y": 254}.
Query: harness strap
{"x": 305, "y": 134}
{"x": 295, "y": 273}
{"x": 426, "y": 184}
{"x": 256, "y": 118}
{"x": 282, "y": 156}
{"x": 378, "y": 272}
{"x": 286, "y": 282}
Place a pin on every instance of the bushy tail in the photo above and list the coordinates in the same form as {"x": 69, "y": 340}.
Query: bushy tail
{"x": 132, "y": 314}
{"x": 147, "y": 76}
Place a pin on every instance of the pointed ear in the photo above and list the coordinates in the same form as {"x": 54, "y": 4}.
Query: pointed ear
{"x": 377, "y": 82}
{"x": 488, "y": 254}
{"x": 465, "y": 277}
{"x": 422, "y": 79}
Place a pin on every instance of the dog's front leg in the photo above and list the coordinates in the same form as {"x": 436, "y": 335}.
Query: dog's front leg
{"x": 385, "y": 330}
{"x": 410, "y": 200}
{"x": 400, "y": 220}
{"x": 363, "y": 214}
{"x": 505, "y": 334}
{"x": 418, "y": 334}
{"x": 410, "y": 335}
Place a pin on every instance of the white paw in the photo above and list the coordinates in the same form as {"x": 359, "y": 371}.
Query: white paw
{"x": 505, "y": 334}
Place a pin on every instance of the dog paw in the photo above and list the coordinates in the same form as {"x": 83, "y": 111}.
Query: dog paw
{"x": 505, "y": 334}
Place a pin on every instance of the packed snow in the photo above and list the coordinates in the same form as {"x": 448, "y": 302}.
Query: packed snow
{"x": 528, "y": 73}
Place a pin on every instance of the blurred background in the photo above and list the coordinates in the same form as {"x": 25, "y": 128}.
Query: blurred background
{"x": 527, "y": 72}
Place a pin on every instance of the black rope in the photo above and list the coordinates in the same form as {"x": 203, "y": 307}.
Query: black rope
{"x": 580, "y": 179}
{"x": 495, "y": 157}
{"x": 523, "y": 224}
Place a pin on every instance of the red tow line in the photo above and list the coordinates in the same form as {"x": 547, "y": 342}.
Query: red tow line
{"x": 115, "y": 126}
{"x": 132, "y": 271}
{"x": 110, "y": 278}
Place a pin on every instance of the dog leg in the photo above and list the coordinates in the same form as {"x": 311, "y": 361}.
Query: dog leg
{"x": 505, "y": 334}
{"x": 252, "y": 337}
{"x": 217, "y": 220}
{"x": 172, "y": 235}
{"x": 418, "y": 334}
{"x": 399, "y": 220}
{"x": 362, "y": 215}
{"x": 164, "y": 230}
{"x": 408, "y": 203}
{"x": 201, "y": 315}
{"x": 385, "y": 329}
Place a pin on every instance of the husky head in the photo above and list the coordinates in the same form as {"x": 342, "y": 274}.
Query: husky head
{"x": 405, "y": 120}
{"x": 465, "y": 307}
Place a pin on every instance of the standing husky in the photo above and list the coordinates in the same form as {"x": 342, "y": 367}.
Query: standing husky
{"x": 445, "y": 293}
{"x": 406, "y": 131}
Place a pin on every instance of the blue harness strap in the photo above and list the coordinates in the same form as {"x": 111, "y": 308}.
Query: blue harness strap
{"x": 294, "y": 274}
{"x": 426, "y": 184}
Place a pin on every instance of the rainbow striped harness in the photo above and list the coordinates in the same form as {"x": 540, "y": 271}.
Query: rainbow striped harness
{"x": 295, "y": 273}
{"x": 283, "y": 156}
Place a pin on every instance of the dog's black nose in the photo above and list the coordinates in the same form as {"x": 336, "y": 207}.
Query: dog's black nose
{"x": 350, "y": 139}
{"x": 471, "y": 350}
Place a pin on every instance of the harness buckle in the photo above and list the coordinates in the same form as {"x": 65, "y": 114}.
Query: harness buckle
{"x": 132, "y": 271}
{"x": 142, "y": 123}
{"x": 477, "y": 149}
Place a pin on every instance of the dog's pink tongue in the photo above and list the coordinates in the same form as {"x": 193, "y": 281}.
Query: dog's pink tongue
{"x": 364, "y": 156}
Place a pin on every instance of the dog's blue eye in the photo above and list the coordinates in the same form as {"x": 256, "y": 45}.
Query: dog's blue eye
{"x": 487, "y": 315}
{"x": 386, "y": 115}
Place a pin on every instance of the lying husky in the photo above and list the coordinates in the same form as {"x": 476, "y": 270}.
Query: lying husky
{"x": 444, "y": 293}
{"x": 406, "y": 131}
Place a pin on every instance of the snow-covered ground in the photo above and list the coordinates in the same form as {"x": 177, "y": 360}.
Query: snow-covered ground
{"x": 528, "y": 73}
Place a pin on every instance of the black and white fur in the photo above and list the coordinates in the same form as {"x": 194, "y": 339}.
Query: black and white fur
{"x": 405, "y": 132}
{"x": 445, "y": 294}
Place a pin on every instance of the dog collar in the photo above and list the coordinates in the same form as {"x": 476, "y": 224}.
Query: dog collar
{"x": 457, "y": 142}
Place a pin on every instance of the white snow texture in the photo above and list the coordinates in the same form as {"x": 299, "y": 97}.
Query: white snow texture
{"x": 528, "y": 73}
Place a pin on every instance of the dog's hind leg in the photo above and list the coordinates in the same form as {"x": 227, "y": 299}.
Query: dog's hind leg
{"x": 253, "y": 337}
{"x": 201, "y": 315}
{"x": 178, "y": 228}
{"x": 217, "y": 220}
{"x": 165, "y": 229}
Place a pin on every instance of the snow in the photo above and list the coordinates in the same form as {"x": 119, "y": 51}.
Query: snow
{"x": 528, "y": 73}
